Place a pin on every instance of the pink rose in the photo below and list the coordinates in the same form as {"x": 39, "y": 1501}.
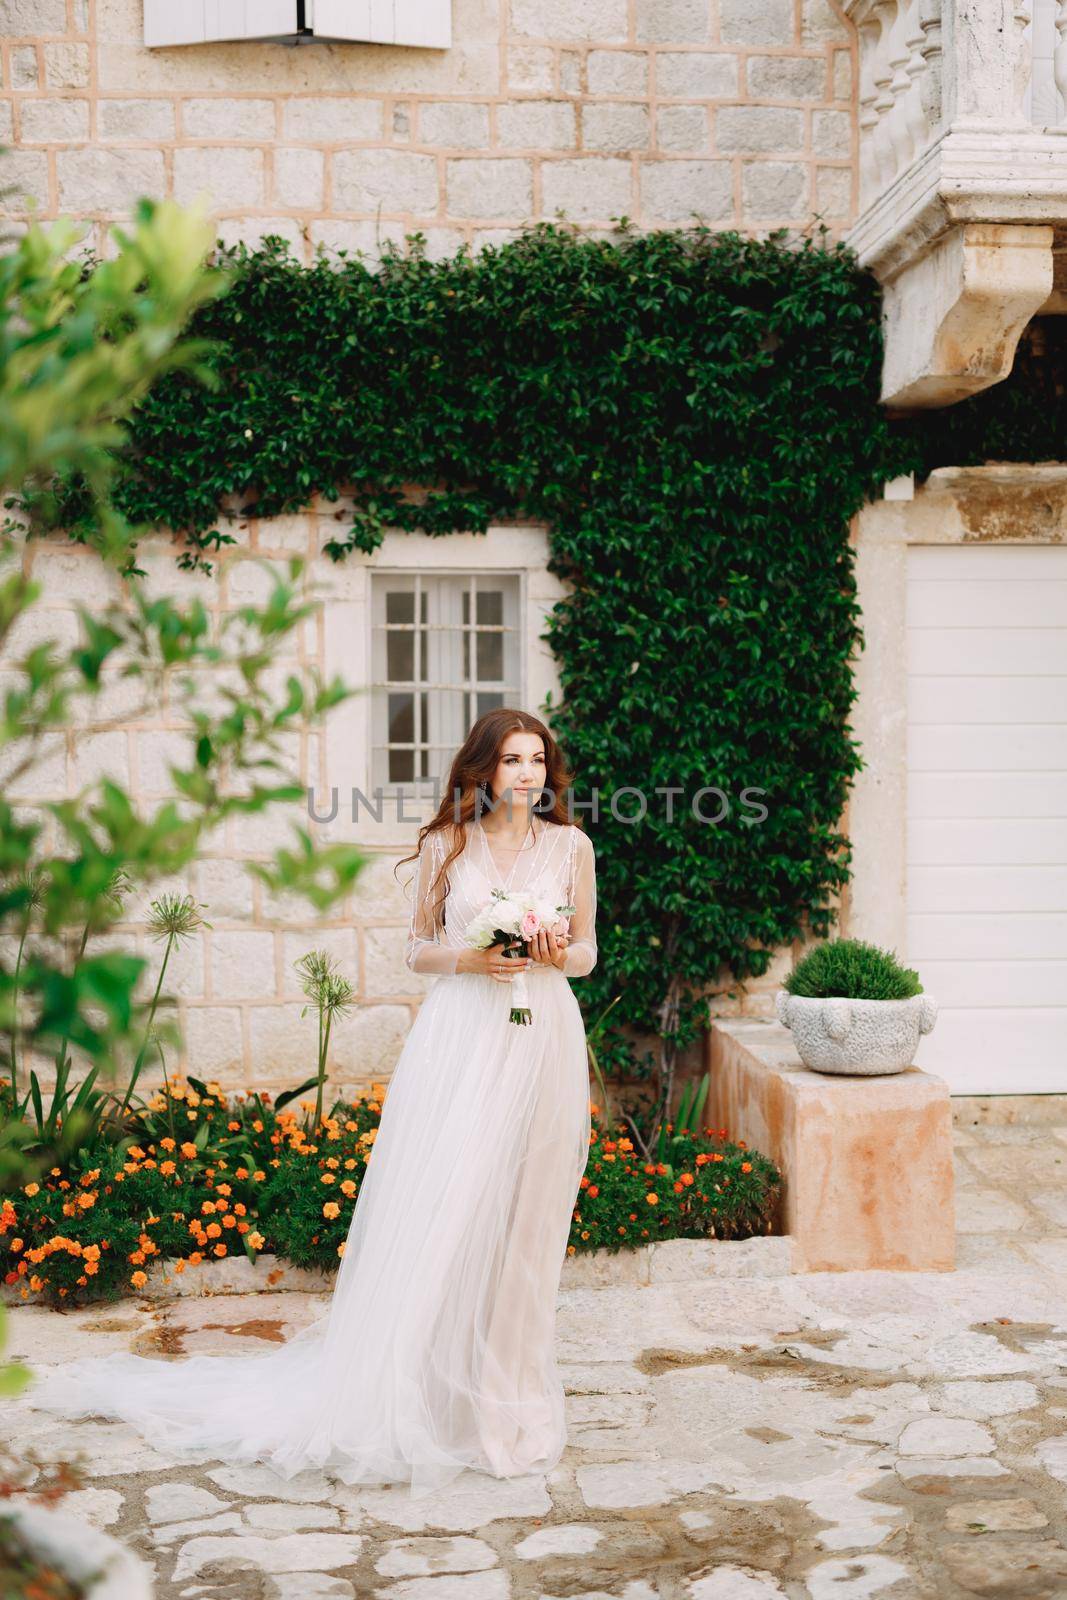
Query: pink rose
{"x": 530, "y": 924}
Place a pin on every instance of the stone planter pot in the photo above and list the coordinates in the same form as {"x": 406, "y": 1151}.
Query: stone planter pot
{"x": 861, "y": 1038}
{"x": 105, "y": 1569}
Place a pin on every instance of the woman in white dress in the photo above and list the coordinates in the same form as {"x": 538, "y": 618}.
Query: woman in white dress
{"x": 437, "y": 1350}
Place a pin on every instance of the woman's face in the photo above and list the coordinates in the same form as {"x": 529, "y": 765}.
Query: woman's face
{"x": 522, "y": 770}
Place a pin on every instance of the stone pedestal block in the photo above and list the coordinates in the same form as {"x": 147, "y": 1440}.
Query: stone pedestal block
{"x": 866, "y": 1162}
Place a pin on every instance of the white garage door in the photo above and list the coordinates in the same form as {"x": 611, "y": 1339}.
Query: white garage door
{"x": 987, "y": 812}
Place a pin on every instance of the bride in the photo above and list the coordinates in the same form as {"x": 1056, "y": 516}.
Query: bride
{"x": 437, "y": 1350}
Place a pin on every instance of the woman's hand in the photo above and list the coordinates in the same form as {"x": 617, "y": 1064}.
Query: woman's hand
{"x": 548, "y": 947}
{"x": 492, "y": 963}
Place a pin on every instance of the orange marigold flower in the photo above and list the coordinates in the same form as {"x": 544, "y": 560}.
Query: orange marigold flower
{"x": 213, "y": 1230}
{"x": 195, "y": 1258}
{"x": 686, "y": 1178}
{"x": 340, "y": 1249}
{"x": 208, "y": 1208}
{"x": 91, "y": 1267}
{"x": 241, "y": 1209}
{"x": 242, "y": 1172}
{"x": 167, "y": 1167}
{"x": 255, "y": 1241}
{"x": 331, "y": 1209}
{"x": 138, "y": 1279}
{"x": 348, "y": 1188}
{"x": 220, "y": 1249}
{"x": 746, "y": 1166}
{"x": 166, "y": 1144}
{"x": 31, "y": 1189}
{"x": 677, "y": 1188}
{"x": 189, "y": 1151}
{"x": 328, "y": 1177}
{"x": 652, "y": 1197}
{"x": 223, "y": 1188}
{"x": 229, "y": 1222}
{"x": 594, "y": 1190}
{"x": 259, "y": 1176}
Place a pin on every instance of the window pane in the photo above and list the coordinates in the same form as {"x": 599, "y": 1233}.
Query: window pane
{"x": 400, "y": 605}
{"x": 400, "y": 656}
{"x": 491, "y": 606}
{"x": 489, "y": 701}
{"x": 490, "y": 657}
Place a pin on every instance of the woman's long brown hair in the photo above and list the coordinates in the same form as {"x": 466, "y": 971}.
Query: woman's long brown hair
{"x": 474, "y": 764}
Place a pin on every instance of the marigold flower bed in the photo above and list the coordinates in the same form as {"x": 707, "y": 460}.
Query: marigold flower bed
{"x": 204, "y": 1177}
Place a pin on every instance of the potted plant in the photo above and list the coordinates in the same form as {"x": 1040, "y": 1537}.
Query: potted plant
{"x": 852, "y": 1008}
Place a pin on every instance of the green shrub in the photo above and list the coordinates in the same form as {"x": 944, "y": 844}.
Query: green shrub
{"x": 853, "y": 969}
{"x": 214, "y": 1178}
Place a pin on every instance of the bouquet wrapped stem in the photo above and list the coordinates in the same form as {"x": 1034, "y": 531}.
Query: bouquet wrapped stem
{"x": 509, "y": 920}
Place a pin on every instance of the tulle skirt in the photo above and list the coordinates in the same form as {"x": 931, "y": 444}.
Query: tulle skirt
{"x": 437, "y": 1350}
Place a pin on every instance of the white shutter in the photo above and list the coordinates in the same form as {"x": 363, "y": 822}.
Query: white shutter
{"x": 410, "y": 22}
{"x": 211, "y": 21}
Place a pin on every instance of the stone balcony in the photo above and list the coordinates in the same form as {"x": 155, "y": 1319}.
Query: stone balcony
{"x": 963, "y": 184}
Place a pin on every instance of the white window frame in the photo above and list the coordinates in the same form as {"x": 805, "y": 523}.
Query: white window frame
{"x": 342, "y": 756}
{"x": 444, "y": 591}
{"x": 420, "y": 24}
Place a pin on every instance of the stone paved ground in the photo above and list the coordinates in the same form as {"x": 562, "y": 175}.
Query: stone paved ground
{"x": 827, "y": 1436}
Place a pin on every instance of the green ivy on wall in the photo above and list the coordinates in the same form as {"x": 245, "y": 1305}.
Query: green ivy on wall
{"x": 695, "y": 417}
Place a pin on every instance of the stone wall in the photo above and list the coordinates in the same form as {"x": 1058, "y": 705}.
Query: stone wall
{"x": 739, "y": 112}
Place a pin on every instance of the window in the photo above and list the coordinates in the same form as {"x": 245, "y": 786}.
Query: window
{"x": 409, "y": 22}
{"x": 445, "y": 647}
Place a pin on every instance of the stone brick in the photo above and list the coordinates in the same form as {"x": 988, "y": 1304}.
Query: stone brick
{"x": 55, "y": 121}
{"x": 24, "y": 72}
{"x": 242, "y": 966}
{"x": 537, "y": 125}
{"x": 787, "y": 77}
{"x": 385, "y": 972}
{"x": 613, "y": 125}
{"x": 157, "y": 750}
{"x": 617, "y": 72}
{"x": 682, "y": 128}
{"x": 831, "y": 133}
{"x": 842, "y": 75}
{"x": 697, "y": 74}
{"x": 228, "y": 119}
{"x": 366, "y": 1046}
{"x": 333, "y": 120}
{"x": 25, "y": 175}
{"x": 367, "y": 239}
{"x": 66, "y": 66}
{"x": 821, "y": 24}
{"x": 150, "y": 120}
{"x": 377, "y": 892}
{"x": 107, "y": 180}
{"x": 184, "y": 977}
{"x": 104, "y": 755}
{"x": 601, "y": 20}
{"x": 6, "y": 123}
{"x": 674, "y": 21}
{"x": 455, "y": 124}
{"x": 232, "y": 176}
{"x": 757, "y": 128}
{"x": 253, "y": 230}
{"x": 760, "y": 22}
{"x": 531, "y": 68}
{"x": 488, "y": 188}
{"x": 225, "y": 888}
{"x": 282, "y": 1043}
{"x": 686, "y": 191}
{"x": 394, "y": 180}
{"x": 27, "y": 19}
{"x": 298, "y": 178}
{"x": 773, "y": 189}
{"x": 213, "y": 1047}
{"x": 587, "y": 189}
{"x": 570, "y": 72}
{"x": 833, "y": 192}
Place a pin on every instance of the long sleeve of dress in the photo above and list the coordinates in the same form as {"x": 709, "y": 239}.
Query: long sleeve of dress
{"x": 580, "y": 955}
{"x": 425, "y": 951}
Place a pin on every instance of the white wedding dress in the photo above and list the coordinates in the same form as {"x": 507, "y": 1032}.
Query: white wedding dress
{"x": 437, "y": 1350}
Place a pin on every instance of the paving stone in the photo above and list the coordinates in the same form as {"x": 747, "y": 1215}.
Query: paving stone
{"x": 568, "y": 1539}
{"x": 1023, "y": 1569}
{"x": 175, "y": 1532}
{"x": 466, "y": 1504}
{"x": 944, "y": 1436}
{"x": 296, "y": 1552}
{"x": 311, "y": 1586}
{"x": 454, "y": 1586}
{"x": 178, "y": 1502}
{"x": 734, "y": 1583}
{"x": 854, "y": 1578}
{"x": 960, "y": 1467}
{"x": 286, "y": 1518}
{"x": 101, "y": 1508}
{"x": 1052, "y": 1454}
{"x": 980, "y": 1210}
{"x": 423, "y": 1557}
{"x": 260, "y": 1482}
{"x": 967, "y": 1398}
{"x": 994, "y": 1516}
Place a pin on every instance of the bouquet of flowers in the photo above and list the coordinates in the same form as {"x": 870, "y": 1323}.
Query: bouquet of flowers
{"x": 516, "y": 916}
